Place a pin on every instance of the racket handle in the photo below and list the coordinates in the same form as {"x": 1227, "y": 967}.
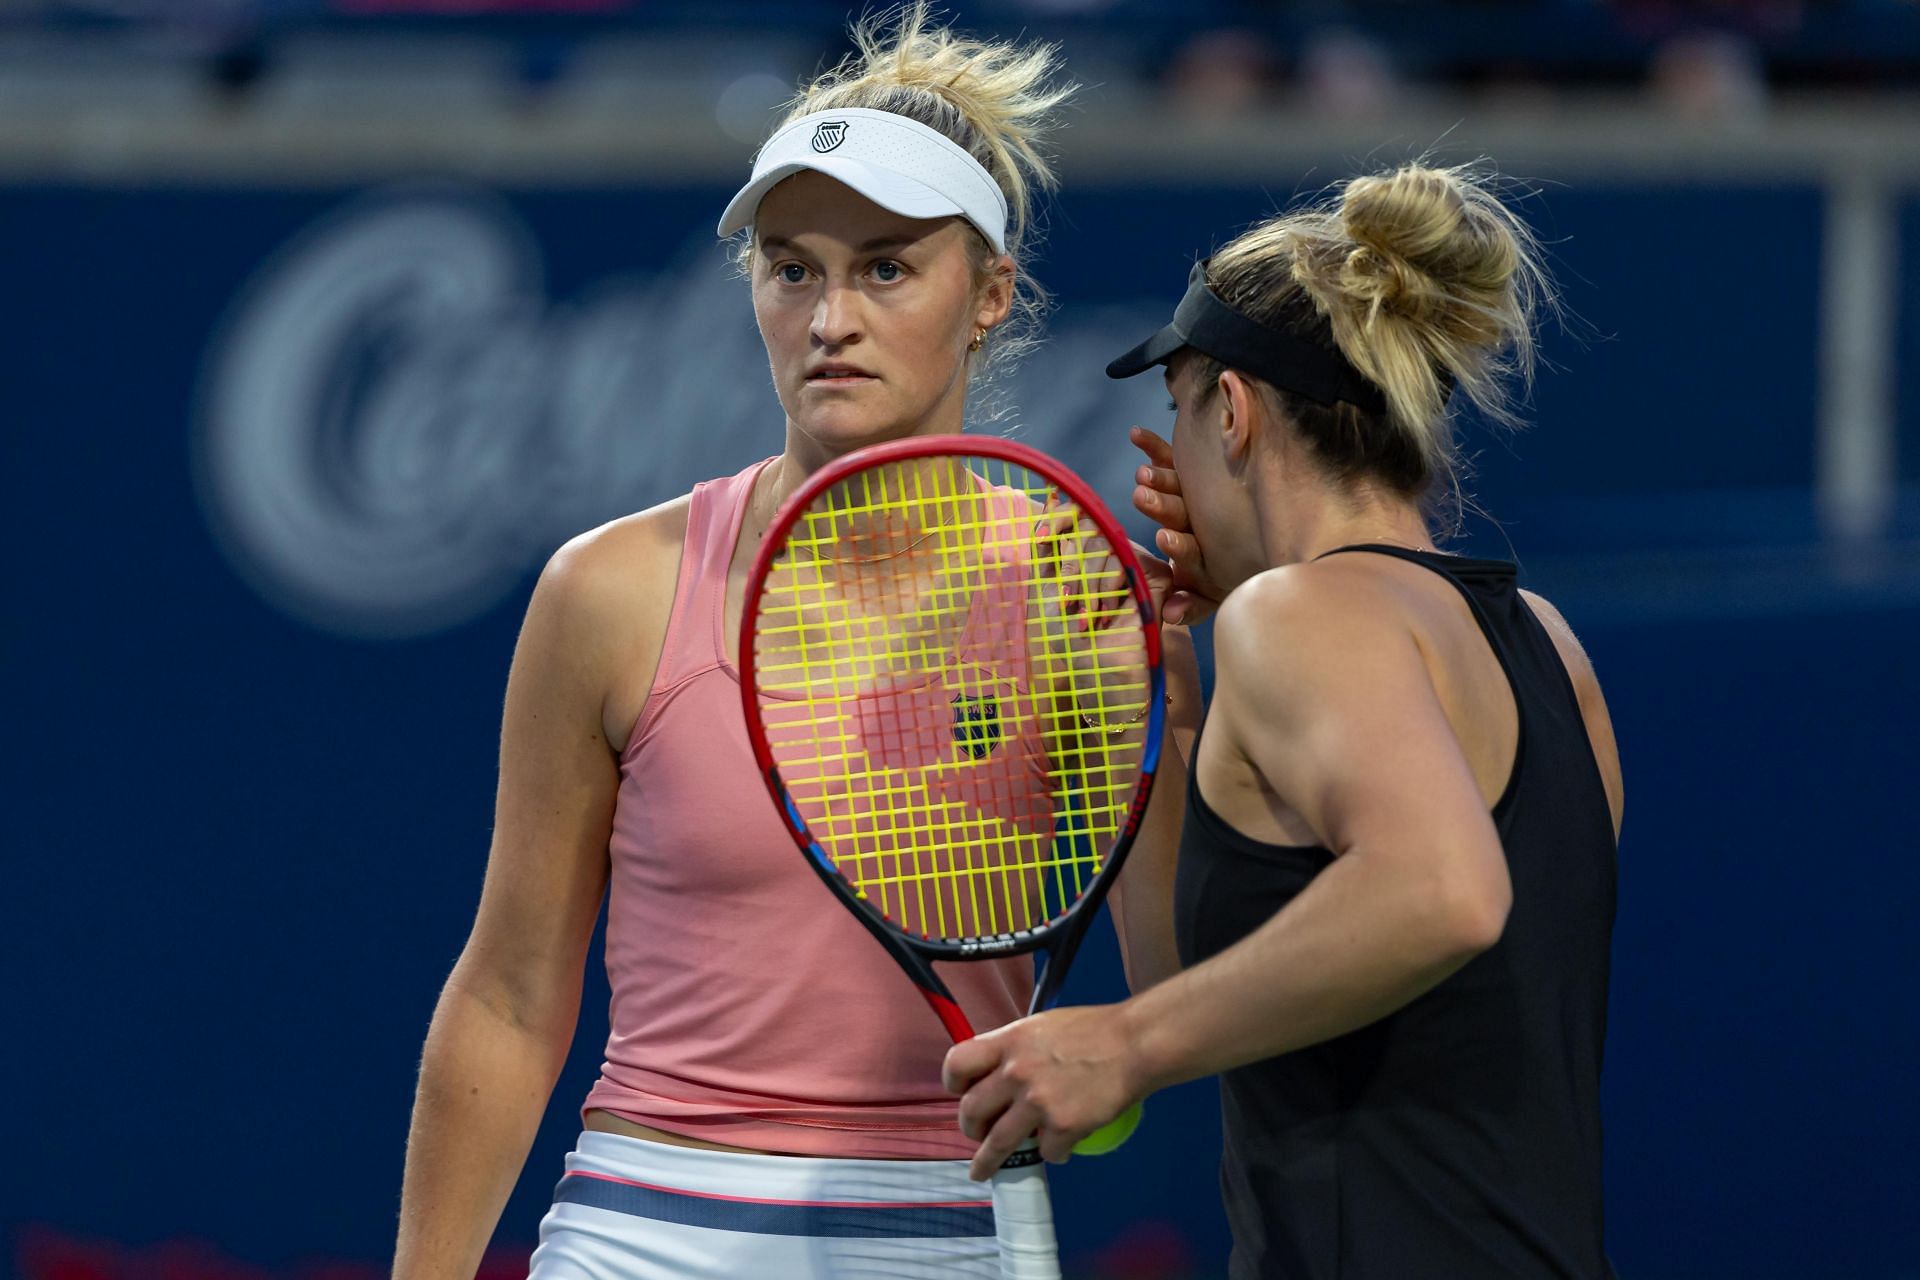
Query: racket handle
{"x": 1023, "y": 1218}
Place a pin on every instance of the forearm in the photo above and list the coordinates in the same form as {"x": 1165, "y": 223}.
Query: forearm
{"x": 1360, "y": 942}
{"x": 1142, "y": 900}
{"x": 484, "y": 1084}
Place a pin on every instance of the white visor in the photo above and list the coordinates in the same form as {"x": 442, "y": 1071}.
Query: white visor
{"x": 897, "y": 163}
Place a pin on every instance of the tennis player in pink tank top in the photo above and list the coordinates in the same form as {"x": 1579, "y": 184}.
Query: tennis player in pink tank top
{"x": 770, "y": 1103}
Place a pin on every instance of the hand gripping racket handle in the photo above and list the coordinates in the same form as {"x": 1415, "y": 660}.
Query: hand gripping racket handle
{"x": 1023, "y": 1218}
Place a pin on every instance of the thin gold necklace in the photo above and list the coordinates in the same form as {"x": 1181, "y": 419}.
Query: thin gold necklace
{"x": 817, "y": 559}
{"x": 891, "y": 555}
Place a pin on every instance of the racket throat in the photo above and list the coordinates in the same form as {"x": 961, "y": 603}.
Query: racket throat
{"x": 951, "y": 1015}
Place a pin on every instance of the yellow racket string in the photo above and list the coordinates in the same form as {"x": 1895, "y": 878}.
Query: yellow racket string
{"x": 951, "y": 672}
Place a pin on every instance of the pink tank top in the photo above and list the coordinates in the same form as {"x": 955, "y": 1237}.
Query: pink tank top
{"x": 749, "y": 1007}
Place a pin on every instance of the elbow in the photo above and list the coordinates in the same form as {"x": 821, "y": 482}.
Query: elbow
{"x": 1470, "y": 912}
{"x": 540, "y": 1003}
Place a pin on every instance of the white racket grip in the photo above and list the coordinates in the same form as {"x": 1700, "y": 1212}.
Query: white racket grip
{"x": 1023, "y": 1218}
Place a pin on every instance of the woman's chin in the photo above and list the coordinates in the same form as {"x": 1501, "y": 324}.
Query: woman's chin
{"x": 844, "y": 432}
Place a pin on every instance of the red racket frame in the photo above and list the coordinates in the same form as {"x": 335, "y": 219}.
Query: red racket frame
{"x": 1060, "y": 937}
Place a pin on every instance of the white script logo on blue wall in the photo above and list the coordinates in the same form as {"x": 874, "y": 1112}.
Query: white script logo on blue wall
{"x": 396, "y": 424}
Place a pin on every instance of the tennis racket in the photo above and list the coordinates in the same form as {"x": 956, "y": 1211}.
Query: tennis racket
{"x": 952, "y": 683}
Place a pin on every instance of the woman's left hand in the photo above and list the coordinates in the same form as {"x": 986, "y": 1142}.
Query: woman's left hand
{"x": 1058, "y": 1075}
{"x": 1158, "y": 496}
{"x": 1159, "y": 576}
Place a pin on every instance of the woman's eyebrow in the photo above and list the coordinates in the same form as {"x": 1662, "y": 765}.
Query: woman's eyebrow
{"x": 892, "y": 240}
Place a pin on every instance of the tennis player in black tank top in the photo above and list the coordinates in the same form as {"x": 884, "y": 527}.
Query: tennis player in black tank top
{"x": 1396, "y": 883}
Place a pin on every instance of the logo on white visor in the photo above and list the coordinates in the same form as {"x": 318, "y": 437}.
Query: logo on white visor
{"x": 829, "y": 134}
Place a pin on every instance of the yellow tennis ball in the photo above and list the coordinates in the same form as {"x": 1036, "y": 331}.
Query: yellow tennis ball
{"x": 1109, "y": 1135}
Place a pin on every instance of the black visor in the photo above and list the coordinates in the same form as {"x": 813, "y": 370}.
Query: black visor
{"x": 1307, "y": 367}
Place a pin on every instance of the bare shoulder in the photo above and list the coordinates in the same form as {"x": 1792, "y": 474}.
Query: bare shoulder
{"x": 1572, "y": 653}
{"x": 1332, "y": 624}
{"x": 1313, "y": 602}
{"x": 604, "y": 564}
{"x": 1593, "y": 704}
{"x": 600, "y": 609}
{"x": 1328, "y": 698}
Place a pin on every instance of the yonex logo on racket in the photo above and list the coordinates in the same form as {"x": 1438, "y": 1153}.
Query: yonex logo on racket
{"x": 976, "y": 725}
{"x": 829, "y": 134}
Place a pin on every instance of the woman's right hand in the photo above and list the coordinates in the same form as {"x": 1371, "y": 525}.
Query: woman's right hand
{"x": 1193, "y": 595}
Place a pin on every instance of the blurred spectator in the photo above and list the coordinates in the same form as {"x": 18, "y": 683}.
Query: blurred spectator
{"x": 1352, "y": 58}
{"x": 1222, "y": 72}
{"x": 1755, "y": 17}
{"x": 1710, "y": 76}
{"x": 1346, "y": 73}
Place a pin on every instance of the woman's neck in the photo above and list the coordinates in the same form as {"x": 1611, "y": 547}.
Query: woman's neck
{"x": 804, "y": 455}
{"x": 1308, "y": 525}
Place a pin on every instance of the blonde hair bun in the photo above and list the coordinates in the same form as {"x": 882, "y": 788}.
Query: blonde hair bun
{"x": 1431, "y": 246}
{"x": 1429, "y": 286}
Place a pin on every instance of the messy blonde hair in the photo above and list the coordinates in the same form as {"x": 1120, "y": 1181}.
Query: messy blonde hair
{"x": 1428, "y": 285}
{"x": 995, "y": 100}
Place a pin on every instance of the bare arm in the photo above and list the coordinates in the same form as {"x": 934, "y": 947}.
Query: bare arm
{"x": 1334, "y": 707}
{"x": 1332, "y": 704}
{"x": 1593, "y": 707}
{"x": 506, "y": 1017}
{"x": 1142, "y": 898}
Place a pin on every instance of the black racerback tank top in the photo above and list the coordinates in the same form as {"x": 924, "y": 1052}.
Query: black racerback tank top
{"x": 1458, "y": 1137}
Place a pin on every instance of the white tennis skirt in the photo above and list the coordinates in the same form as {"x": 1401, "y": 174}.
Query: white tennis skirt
{"x": 628, "y": 1209}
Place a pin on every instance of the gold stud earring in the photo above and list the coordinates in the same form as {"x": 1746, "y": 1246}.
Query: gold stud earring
{"x": 978, "y": 338}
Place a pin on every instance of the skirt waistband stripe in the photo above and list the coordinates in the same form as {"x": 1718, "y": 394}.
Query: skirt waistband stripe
{"x": 908, "y": 1221}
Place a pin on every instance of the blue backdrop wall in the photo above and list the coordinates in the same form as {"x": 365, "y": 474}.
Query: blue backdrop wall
{"x": 280, "y": 464}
